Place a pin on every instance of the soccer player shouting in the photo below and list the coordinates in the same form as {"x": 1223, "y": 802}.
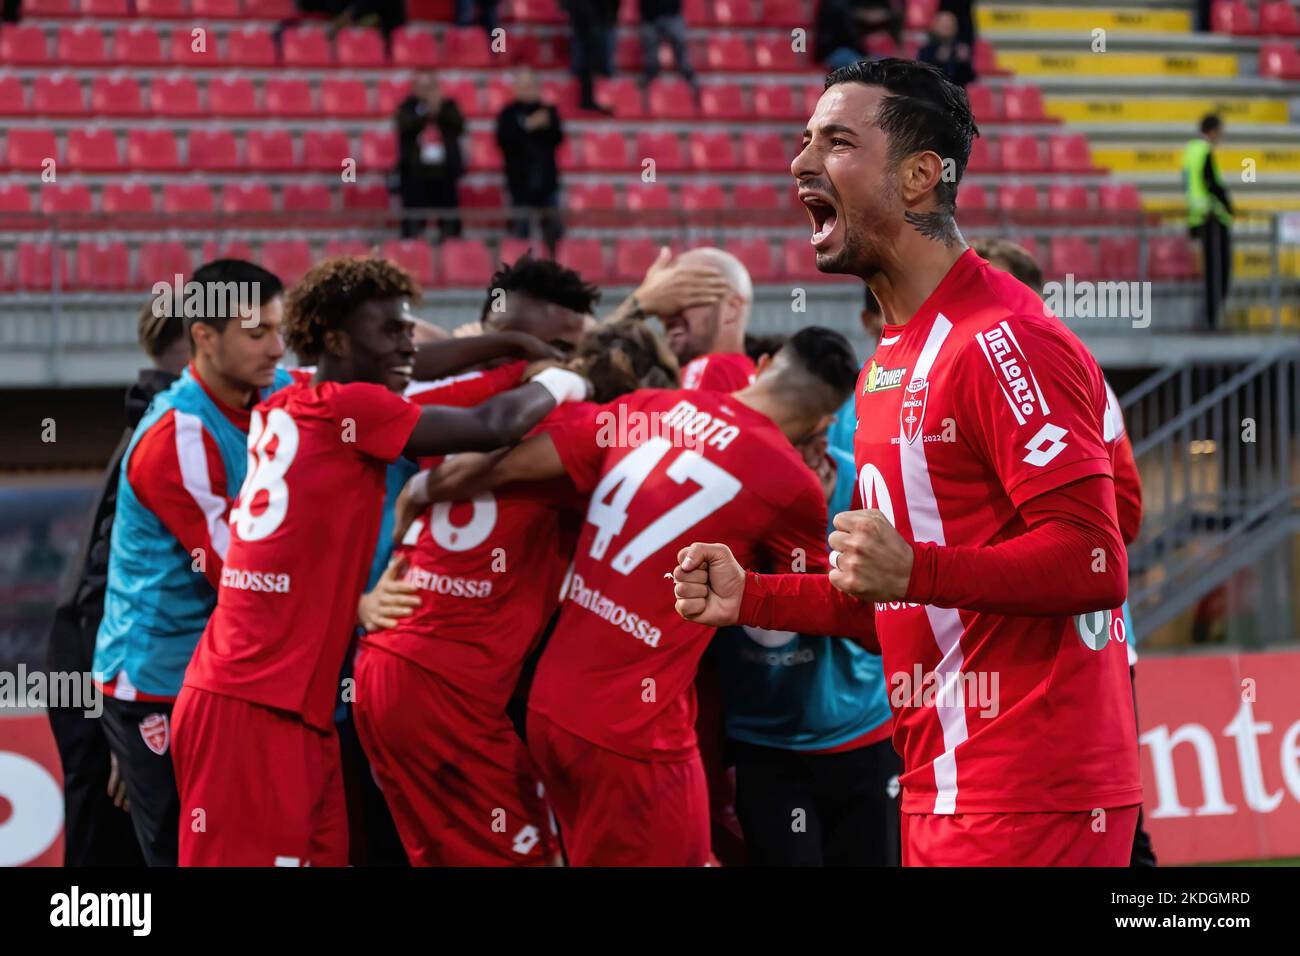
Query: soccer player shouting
{"x": 987, "y": 559}
{"x": 611, "y": 717}
{"x": 256, "y": 755}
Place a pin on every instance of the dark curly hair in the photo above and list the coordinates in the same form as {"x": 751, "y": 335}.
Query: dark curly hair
{"x": 620, "y": 357}
{"x": 544, "y": 280}
{"x": 327, "y": 296}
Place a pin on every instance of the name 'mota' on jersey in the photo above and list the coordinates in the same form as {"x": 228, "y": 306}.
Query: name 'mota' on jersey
{"x": 489, "y": 571}
{"x": 979, "y": 403}
{"x": 301, "y": 532}
{"x": 664, "y": 468}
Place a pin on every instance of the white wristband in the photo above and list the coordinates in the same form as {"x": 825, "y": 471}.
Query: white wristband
{"x": 564, "y": 386}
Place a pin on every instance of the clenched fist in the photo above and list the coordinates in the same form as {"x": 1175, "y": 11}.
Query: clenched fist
{"x": 869, "y": 559}
{"x": 709, "y": 585}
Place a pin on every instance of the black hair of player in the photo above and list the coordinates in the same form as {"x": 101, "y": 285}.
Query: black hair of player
{"x": 756, "y": 346}
{"x": 620, "y": 357}
{"x": 1211, "y": 122}
{"x": 332, "y": 291}
{"x": 220, "y": 273}
{"x": 826, "y": 355}
{"x": 545, "y": 280}
{"x": 924, "y": 111}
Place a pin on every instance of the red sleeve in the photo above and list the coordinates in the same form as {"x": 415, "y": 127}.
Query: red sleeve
{"x": 381, "y": 422}
{"x": 1070, "y": 561}
{"x": 809, "y": 604}
{"x": 720, "y": 372}
{"x": 472, "y": 388}
{"x": 1037, "y": 402}
{"x": 796, "y": 539}
{"x": 177, "y": 473}
{"x": 1128, "y": 491}
{"x": 576, "y": 436}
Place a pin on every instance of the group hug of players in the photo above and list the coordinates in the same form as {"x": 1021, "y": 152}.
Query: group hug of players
{"x": 411, "y": 530}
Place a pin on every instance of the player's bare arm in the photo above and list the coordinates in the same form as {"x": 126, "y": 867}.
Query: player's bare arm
{"x": 869, "y": 559}
{"x": 447, "y": 357}
{"x": 708, "y": 584}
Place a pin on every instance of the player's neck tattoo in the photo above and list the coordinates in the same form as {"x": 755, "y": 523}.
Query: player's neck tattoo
{"x": 938, "y": 225}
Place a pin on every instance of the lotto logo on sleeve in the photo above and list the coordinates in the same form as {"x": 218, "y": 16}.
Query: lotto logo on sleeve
{"x": 1014, "y": 376}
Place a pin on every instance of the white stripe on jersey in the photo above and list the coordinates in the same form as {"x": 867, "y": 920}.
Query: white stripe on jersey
{"x": 945, "y": 623}
{"x": 415, "y": 388}
{"x": 193, "y": 459}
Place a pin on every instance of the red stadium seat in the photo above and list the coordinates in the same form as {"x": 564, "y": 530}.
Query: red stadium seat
{"x": 389, "y": 93}
{"x": 1070, "y": 153}
{"x": 481, "y": 197}
{"x": 466, "y": 262}
{"x": 1280, "y": 60}
{"x": 306, "y": 197}
{"x": 102, "y": 264}
{"x": 920, "y": 14}
{"x": 664, "y": 147}
{"x": 190, "y": 48}
{"x": 773, "y": 53}
{"x": 104, "y": 8}
{"x": 729, "y": 51}
{"x": 512, "y": 249}
{"x": 80, "y": 44}
{"x": 725, "y": 101}
{"x": 378, "y": 151}
{"x": 232, "y": 95}
{"x": 985, "y": 156}
{"x": 1119, "y": 197}
{"x": 58, "y": 94}
{"x": 537, "y": 11}
{"x": 216, "y": 9}
{"x": 986, "y": 59}
{"x": 466, "y": 48}
{"x": 350, "y": 248}
{"x": 569, "y": 156}
{"x": 93, "y": 149}
{"x": 35, "y": 267}
{"x": 175, "y": 94}
{"x": 632, "y": 257}
{"x": 672, "y": 99}
{"x": 713, "y": 152}
{"x": 326, "y": 149}
{"x": 627, "y": 52}
{"x": 360, "y": 49}
{"x": 498, "y": 93}
{"x": 1118, "y": 257}
{"x": 798, "y": 261}
{"x": 50, "y": 8}
{"x": 138, "y": 45}
{"x": 23, "y": 44}
{"x": 465, "y": 93}
{"x": 622, "y": 95}
{"x": 66, "y": 198}
{"x": 974, "y": 206}
{"x": 346, "y": 98}
{"x": 366, "y": 197}
{"x": 739, "y": 13}
{"x": 777, "y": 102}
{"x": 767, "y": 152}
{"x": 287, "y": 258}
{"x": 415, "y": 256}
{"x": 152, "y": 150}
{"x": 414, "y": 48}
{"x": 881, "y": 45}
{"x": 214, "y": 150}
{"x": 581, "y": 197}
{"x": 1279, "y": 18}
{"x": 116, "y": 94}
{"x": 703, "y": 196}
{"x": 1232, "y": 16}
{"x": 162, "y": 262}
{"x": 785, "y": 13}
{"x": 306, "y": 47}
{"x": 160, "y": 9}
{"x": 130, "y": 201}
{"x": 1029, "y": 244}
{"x": 605, "y": 150}
{"x": 484, "y": 153}
{"x": 755, "y": 196}
{"x": 756, "y": 255}
{"x": 1016, "y": 199}
{"x": 1022, "y": 104}
{"x": 270, "y": 149}
{"x": 288, "y": 97}
{"x": 983, "y": 105}
{"x": 585, "y": 256}
{"x": 13, "y": 96}
{"x": 1022, "y": 154}
{"x": 250, "y": 47}
{"x": 15, "y": 198}
{"x": 28, "y": 149}
{"x": 1170, "y": 258}
{"x": 1073, "y": 255}
{"x": 1069, "y": 198}
{"x": 642, "y": 197}
{"x": 227, "y": 249}
{"x": 562, "y": 94}
{"x": 186, "y": 199}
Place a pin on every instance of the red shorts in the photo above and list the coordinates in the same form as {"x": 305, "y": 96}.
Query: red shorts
{"x": 1085, "y": 838}
{"x": 459, "y": 783}
{"x": 258, "y": 787}
{"x": 616, "y": 811}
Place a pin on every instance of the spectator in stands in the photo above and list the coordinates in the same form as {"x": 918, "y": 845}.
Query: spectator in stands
{"x": 96, "y": 830}
{"x": 947, "y": 50}
{"x": 529, "y": 134}
{"x": 842, "y": 27}
{"x": 429, "y": 126}
{"x": 1209, "y": 215}
{"x": 487, "y": 13}
{"x": 662, "y": 22}
{"x": 592, "y": 45}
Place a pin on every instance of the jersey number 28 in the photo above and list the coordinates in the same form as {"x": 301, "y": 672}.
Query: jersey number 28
{"x": 266, "y": 473}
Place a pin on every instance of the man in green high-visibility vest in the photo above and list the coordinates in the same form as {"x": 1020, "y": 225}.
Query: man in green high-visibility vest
{"x": 1209, "y": 214}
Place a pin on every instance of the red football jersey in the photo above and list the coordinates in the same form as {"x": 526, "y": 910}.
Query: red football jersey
{"x": 718, "y": 372}
{"x": 301, "y": 532}
{"x": 979, "y": 403}
{"x": 663, "y": 468}
{"x": 489, "y": 573}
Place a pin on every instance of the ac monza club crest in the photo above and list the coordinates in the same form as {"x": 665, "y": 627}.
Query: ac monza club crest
{"x": 912, "y": 413}
{"x": 156, "y": 731}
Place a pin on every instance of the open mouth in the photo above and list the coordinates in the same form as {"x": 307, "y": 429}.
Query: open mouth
{"x": 823, "y": 215}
